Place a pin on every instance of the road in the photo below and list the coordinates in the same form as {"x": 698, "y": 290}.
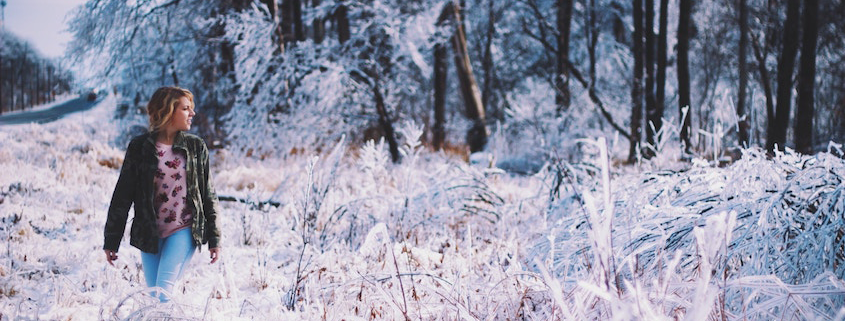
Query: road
{"x": 48, "y": 115}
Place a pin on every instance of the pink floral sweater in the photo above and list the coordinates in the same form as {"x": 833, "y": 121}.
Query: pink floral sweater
{"x": 171, "y": 198}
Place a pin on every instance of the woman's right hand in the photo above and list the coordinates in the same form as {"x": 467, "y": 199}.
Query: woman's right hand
{"x": 110, "y": 256}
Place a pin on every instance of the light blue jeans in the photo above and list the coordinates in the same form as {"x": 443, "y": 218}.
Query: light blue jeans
{"x": 165, "y": 267}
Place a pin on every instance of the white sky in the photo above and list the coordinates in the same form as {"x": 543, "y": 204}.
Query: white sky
{"x": 43, "y": 23}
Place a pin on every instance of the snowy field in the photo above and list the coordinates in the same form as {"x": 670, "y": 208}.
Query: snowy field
{"x": 348, "y": 235}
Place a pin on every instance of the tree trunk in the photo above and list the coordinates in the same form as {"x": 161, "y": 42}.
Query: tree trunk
{"x": 786, "y": 64}
{"x": 22, "y": 74}
{"x": 218, "y": 98}
{"x": 341, "y": 14}
{"x": 298, "y": 26}
{"x": 13, "y": 85}
{"x": 287, "y": 21}
{"x": 637, "y": 83}
{"x": 684, "y": 23}
{"x": 592, "y": 38}
{"x": 439, "y": 130}
{"x": 564, "y": 18}
{"x": 319, "y": 27}
{"x": 764, "y": 81}
{"x": 173, "y": 73}
{"x": 806, "y": 79}
{"x": 225, "y": 68}
{"x": 3, "y": 79}
{"x": 39, "y": 76}
{"x": 278, "y": 36}
{"x": 651, "y": 106}
{"x": 25, "y": 74}
{"x": 618, "y": 25}
{"x": 273, "y": 8}
{"x": 50, "y": 80}
{"x": 33, "y": 84}
{"x": 743, "y": 74}
{"x": 477, "y": 134}
{"x": 660, "y": 90}
{"x": 487, "y": 62}
{"x": 384, "y": 121}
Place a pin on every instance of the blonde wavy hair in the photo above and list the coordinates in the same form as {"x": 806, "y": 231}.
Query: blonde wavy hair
{"x": 163, "y": 103}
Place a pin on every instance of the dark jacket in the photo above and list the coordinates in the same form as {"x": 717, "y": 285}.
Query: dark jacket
{"x": 135, "y": 185}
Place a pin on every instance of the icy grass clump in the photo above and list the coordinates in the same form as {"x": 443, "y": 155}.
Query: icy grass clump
{"x": 776, "y": 222}
{"x": 348, "y": 234}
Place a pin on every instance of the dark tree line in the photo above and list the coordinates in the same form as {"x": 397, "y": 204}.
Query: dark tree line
{"x": 26, "y": 78}
{"x": 772, "y": 36}
{"x": 800, "y": 34}
{"x": 648, "y": 91}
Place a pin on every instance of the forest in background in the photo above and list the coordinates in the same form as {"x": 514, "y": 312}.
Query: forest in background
{"x": 540, "y": 72}
{"x": 320, "y": 221}
{"x": 26, "y": 78}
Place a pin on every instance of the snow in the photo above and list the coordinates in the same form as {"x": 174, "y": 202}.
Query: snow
{"x": 432, "y": 237}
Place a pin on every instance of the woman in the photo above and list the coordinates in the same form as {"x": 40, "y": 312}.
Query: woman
{"x": 165, "y": 174}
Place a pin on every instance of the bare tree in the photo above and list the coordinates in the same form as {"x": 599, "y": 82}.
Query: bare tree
{"x": 220, "y": 65}
{"x": 477, "y": 134}
{"x": 286, "y": 21}
{"x": 637, "y": 82}
{"x": 684, "y": 23}
{"x": 439, "y": 130}
{"x": 743, "y": 73}
{"x": 806, "y": 79}
{"x": 592, "y": 30}
{"x": 369, "y": 72}
{"x": 487, "y": 59}
{"x": 593, "y": 93}
{"x": 3, "y": 80}
{"x": 660, "y": 86}
{"x": 342, "y": 20}
{"x": 776, "y": 133}
{"x": 564, "y": 18}
{"x": 762, "y": 46}
{"x": 651, "y": 104}
{"x": 385, "y": 121}
{"x": 298, "y": 26}
{"x": 318, "y": 25}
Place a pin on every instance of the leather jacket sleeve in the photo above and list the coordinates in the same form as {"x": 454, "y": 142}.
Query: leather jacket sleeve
{"x": 121, "y": 201}
{"x": 209, "y": 201}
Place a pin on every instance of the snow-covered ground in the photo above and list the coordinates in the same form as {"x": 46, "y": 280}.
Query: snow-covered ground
{"x": 348, "y": 235}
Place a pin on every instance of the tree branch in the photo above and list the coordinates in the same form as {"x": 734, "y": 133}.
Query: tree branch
{"x": 578, "y": 76}
{"x": 256, "y": 204}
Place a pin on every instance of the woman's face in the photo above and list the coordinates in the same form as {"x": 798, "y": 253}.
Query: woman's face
{"x": 183, "y": 114}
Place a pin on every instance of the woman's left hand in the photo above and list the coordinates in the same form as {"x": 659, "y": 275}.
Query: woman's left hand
{"x": 215, "y": 254}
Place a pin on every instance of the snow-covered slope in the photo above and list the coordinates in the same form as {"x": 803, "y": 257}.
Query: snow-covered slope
{"x": 348, "y": 235}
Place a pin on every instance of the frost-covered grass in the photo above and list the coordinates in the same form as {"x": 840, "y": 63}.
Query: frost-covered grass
{"x": 356, "y": 237}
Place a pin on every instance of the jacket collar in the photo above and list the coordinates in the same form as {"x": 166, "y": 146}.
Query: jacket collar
{"x": 178, "y": 141}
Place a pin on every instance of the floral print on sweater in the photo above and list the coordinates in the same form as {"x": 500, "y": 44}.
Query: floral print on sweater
{"x": 173, "y": 214}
